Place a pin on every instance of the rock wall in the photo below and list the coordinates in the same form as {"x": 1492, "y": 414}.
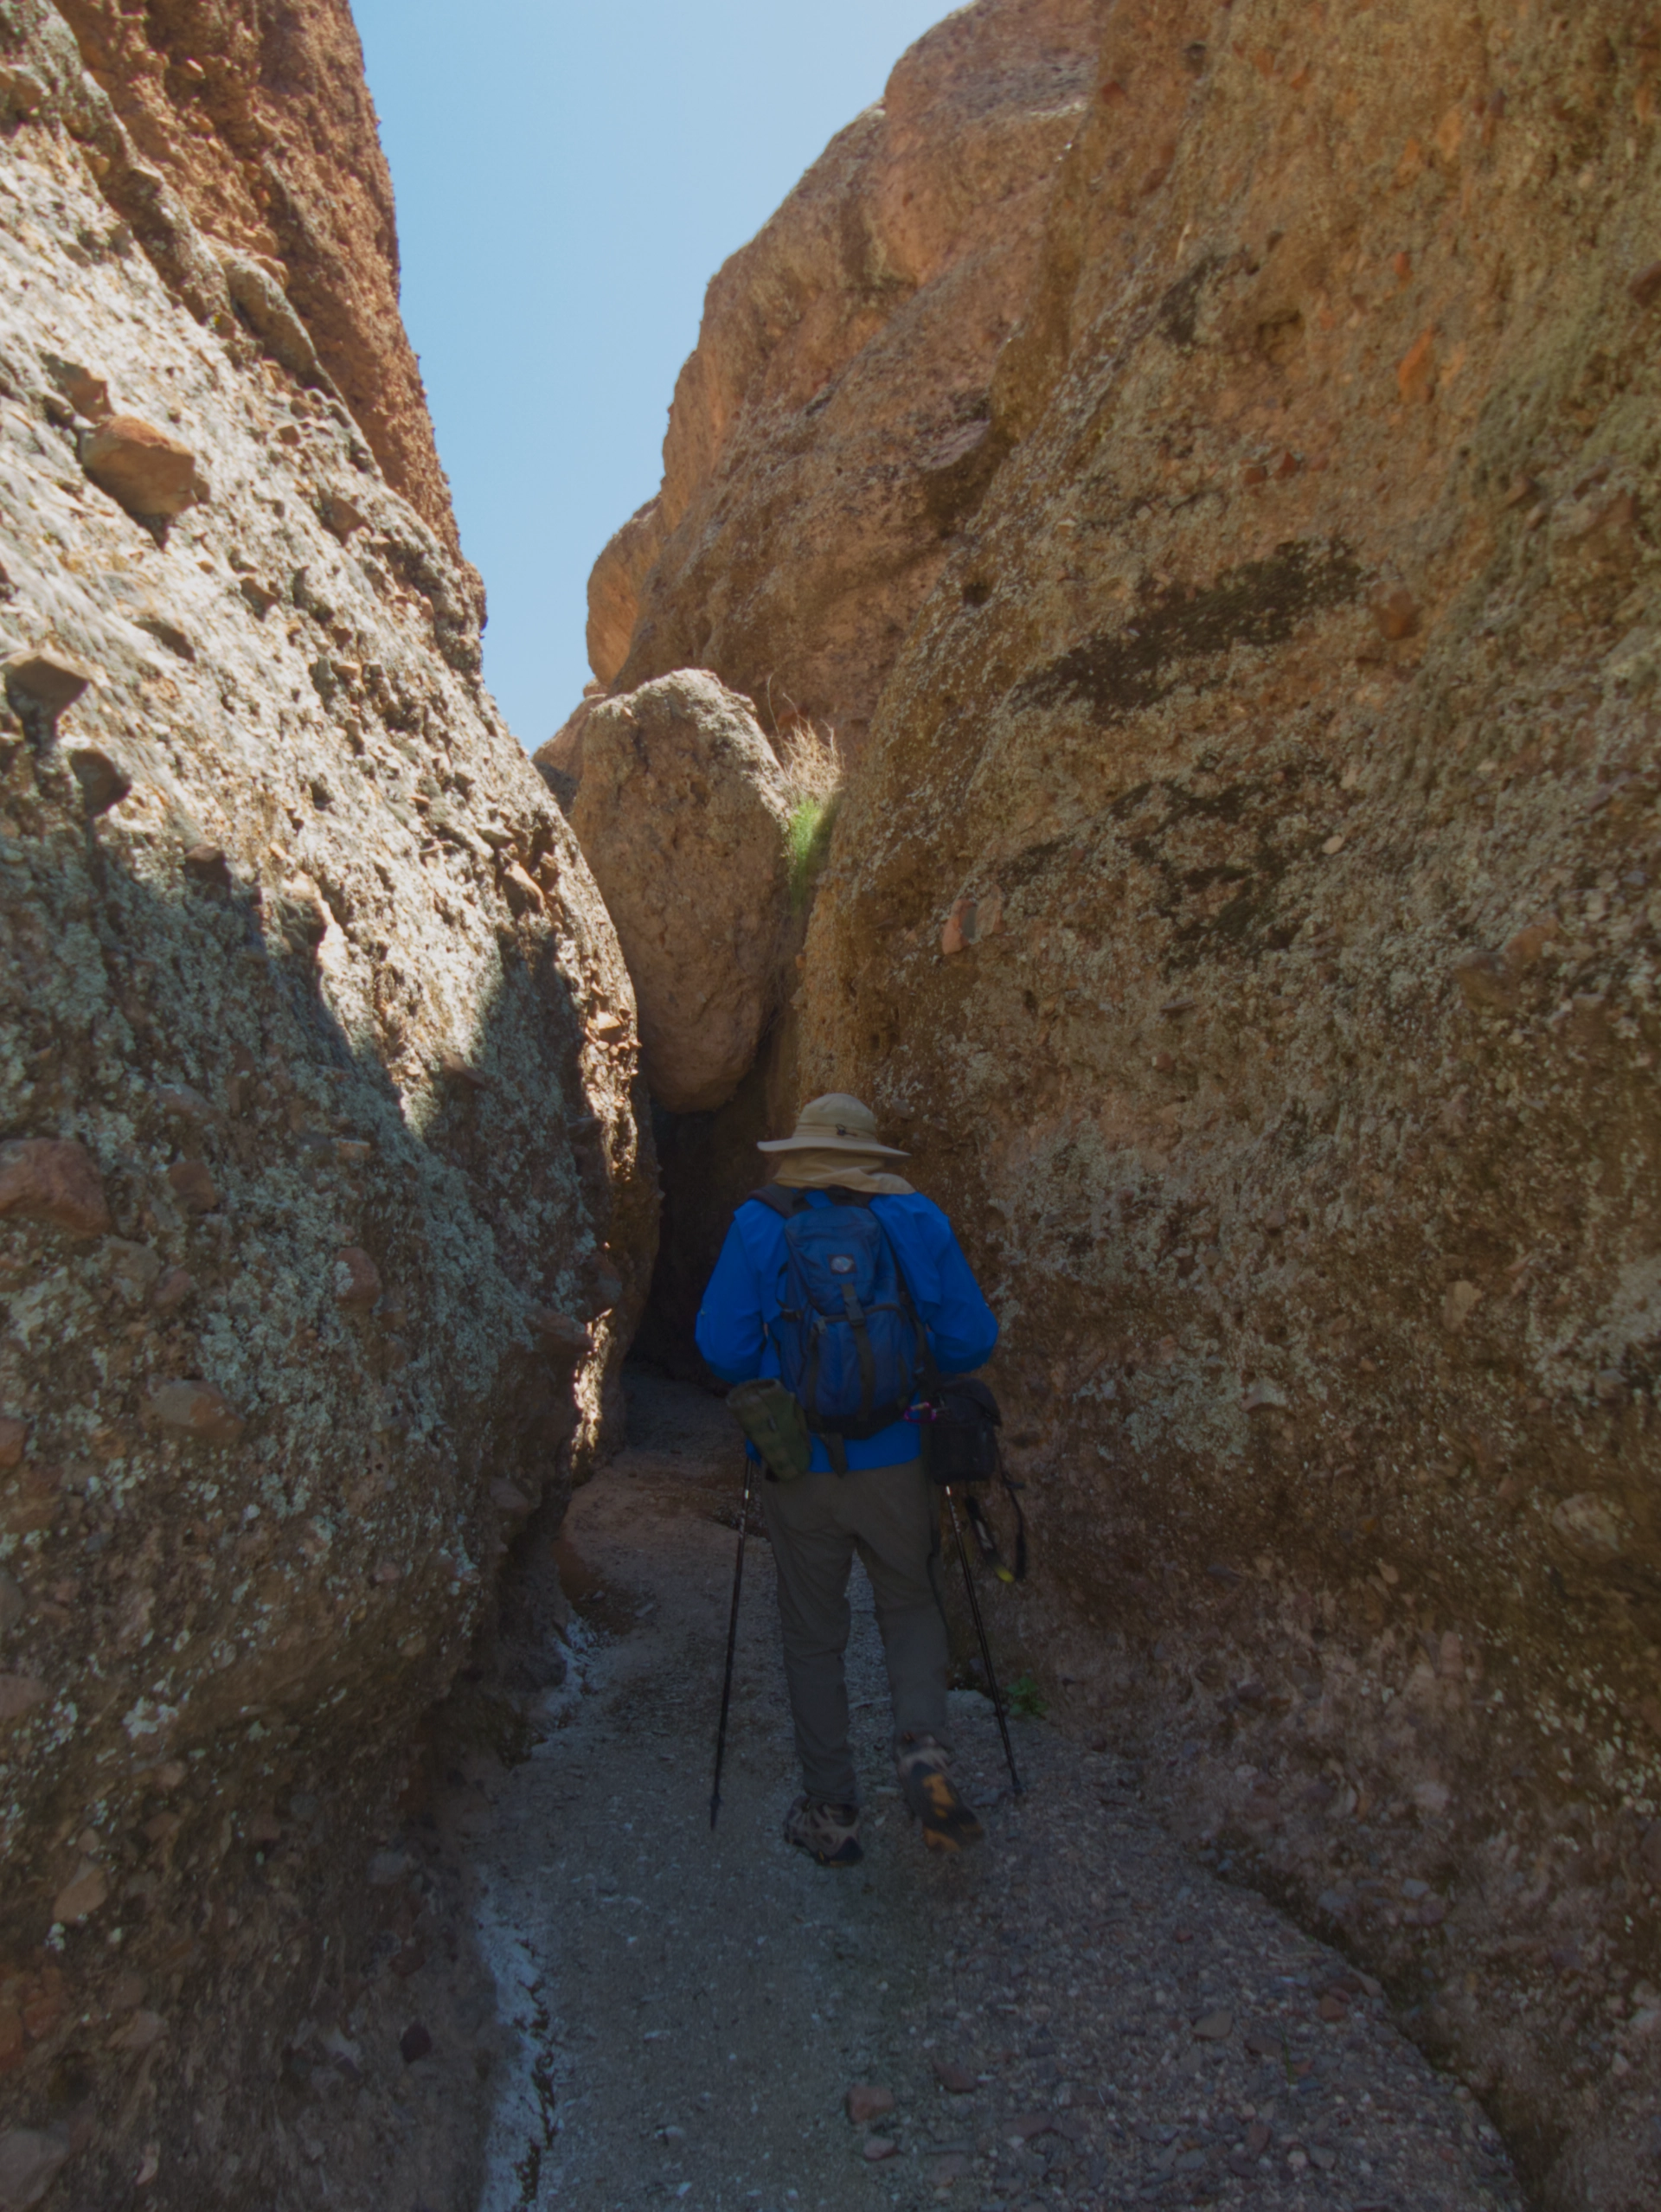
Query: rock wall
{"x": 831, "y": 431}
{"x": 257, "y": 117}
{"x": 325, "y": 1205}
{"x": 1246, "y": 912}
{"x": 1246, "y": 907}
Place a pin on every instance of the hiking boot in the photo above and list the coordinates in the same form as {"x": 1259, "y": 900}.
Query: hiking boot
{"x": 829, "y": 1833}
{"x": 948, "y": 1823}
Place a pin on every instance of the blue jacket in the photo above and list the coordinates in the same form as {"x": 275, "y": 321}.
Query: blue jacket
{"x": 746, "y": 1292}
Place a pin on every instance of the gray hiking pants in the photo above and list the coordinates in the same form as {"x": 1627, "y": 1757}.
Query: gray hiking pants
{"x": 890, "y": 1515}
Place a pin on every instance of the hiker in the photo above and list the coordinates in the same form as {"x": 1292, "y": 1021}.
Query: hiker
{"x": 864, "y": 1487}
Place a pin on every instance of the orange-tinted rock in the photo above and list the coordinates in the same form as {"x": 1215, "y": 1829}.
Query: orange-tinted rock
{"x": 13, "y": 1435}
{"x": 193, "y": 1185}
{"x": 47, "y": 681}
{"x": 81, "y": 1895}
{"x": 197, "y": 1412}
{"x": 174, "y": 1287}
{"x": 275, "y": 152}
{"x": 523, "y": 897}
{"x": 1396, "y": 613}
{"x": 832, "y": 432}
{"x": 20, "y": 1694}
{"x": 1416, "y": 367}
{"x": 357, "y": 1279}
{"x": 57, "y": 1181}
{"x": 1308, "y": 752}
{"x": 151, "y": 473}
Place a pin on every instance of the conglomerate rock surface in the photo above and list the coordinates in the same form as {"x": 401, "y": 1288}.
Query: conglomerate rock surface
{"x": 1248, "y": 912}
{"x": 1245, "y": 907}
{"x": 831, "y": 430}
{"x": 326, "y": 1208}
{"x": 259, "y": 117}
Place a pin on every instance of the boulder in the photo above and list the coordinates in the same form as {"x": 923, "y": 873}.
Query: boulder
{"x": 681, "y": 812}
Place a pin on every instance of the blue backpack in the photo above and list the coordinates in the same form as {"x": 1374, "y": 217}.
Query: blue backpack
{"x": 851, "y": 1345}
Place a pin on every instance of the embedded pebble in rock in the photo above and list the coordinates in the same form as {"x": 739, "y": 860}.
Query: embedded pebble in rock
{"x": 58, "y": 1183}
{"x": 865, "y": 2101}
{"x": 357, "y": 1279}
{"x": 142, "y": 469}
{"x": 197, "y": 1410}
{"x": 699, "y": 2017}
{"x": 46, "y": 682}
{"x": 81, "y": 1896}
{"x": 30, "y": 2161}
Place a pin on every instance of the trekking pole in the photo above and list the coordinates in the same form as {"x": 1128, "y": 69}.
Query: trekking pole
{"x": 985, "y": 1648}
{"x": 732, "y": 1638}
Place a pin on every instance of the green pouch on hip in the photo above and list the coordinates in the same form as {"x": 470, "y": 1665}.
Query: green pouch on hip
{"x": 774, "y": 1422}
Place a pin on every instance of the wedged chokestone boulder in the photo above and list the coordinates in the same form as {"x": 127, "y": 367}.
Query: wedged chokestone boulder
{"x": 681, "y": 810}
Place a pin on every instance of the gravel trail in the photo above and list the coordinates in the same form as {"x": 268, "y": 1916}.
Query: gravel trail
{"x": 1074, "y": 2016}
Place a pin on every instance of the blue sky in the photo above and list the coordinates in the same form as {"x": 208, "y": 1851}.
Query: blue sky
{"x": 569, "y": 177}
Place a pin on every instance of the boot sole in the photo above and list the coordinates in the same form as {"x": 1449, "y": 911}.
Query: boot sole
{"x": 845, "y": 1854}
{"x": 948, "y": 1823}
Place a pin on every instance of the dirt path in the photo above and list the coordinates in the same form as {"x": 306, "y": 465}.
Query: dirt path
{"x": 691, "y": 2009}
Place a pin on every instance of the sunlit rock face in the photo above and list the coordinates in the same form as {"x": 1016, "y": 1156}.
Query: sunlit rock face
{"x": 259, "y": 120}
{"x": 325, "y": 1211}
{"x": 832, "y": 431}
{"x": 1246, "y": 910}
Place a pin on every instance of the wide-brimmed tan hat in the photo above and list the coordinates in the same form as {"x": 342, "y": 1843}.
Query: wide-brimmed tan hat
{"x": 835, "y": 1122}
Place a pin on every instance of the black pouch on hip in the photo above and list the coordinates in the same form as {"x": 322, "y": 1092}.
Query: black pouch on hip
{"x": 960, "y": 1429}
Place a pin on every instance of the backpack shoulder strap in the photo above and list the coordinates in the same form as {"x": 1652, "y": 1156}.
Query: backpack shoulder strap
{"x": 786, "y": 1202}
{"x": 929, "y": 1373}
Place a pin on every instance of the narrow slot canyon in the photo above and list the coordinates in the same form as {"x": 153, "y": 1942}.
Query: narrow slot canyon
{"x": 1142, "y": 668}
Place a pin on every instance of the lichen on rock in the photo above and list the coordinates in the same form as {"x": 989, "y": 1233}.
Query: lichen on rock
{"x": 326, "y": 1205}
